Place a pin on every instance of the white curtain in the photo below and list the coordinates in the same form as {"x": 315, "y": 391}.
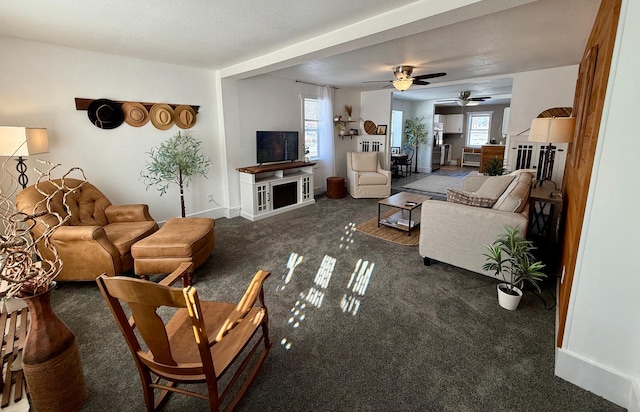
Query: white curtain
{"x": 326, "y": 138}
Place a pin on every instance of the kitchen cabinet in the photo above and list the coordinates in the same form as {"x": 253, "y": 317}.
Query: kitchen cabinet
{"x": 453, "y": 123}
{"x": 488, "y": 152}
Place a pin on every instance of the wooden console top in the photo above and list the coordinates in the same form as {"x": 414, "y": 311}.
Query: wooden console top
{"x": 274, "y": 167}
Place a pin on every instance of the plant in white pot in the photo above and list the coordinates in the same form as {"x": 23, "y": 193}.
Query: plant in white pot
{"x": 511, "y": 258}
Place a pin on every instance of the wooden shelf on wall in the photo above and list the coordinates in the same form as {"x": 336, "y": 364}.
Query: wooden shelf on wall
{"x": 83, "y": 104}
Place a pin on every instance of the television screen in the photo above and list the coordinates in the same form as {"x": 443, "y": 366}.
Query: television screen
{"x": 276, "y": 146}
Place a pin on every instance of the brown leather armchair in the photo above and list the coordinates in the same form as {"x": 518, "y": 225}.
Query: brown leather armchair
{"x": 98, "y": 236}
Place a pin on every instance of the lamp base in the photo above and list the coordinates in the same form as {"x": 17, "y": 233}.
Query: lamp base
{"x": 21, "y": 167}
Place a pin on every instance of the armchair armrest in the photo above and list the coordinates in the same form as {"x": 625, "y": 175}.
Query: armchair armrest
{"x": 127, "y": 213}
{"x": 254, "y": 291}
{"x": 385, "y": 172}
{"x": 183, "y": 270}
{"x": 84, "y": 250}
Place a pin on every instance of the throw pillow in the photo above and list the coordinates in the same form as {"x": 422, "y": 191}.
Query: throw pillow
{"x": 494, "y": 186}
{"x": 469, "y": 199}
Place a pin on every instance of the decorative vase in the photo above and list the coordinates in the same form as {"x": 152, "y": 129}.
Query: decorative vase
{"x": 507, "y": 300}
{"x": 306, "y": 158}
{"x": 51, "y": 359}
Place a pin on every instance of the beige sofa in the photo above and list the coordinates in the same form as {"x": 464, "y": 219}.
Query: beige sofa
{"x": 456, "y": 233}
{"x": 365, "y": 177}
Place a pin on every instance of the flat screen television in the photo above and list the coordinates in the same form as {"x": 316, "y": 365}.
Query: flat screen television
{"x": 274, "y": 146}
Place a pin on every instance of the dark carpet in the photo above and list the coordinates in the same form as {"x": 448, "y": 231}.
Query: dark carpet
{"x": 414, "y": 338}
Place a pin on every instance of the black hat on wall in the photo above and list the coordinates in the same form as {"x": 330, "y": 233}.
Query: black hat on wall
{"x": 105, "y": 114}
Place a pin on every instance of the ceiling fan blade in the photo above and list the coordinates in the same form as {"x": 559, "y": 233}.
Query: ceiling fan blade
{"x": 429, "y": 76}
{"x": 378, "y": 81}
{"x": 479, "y": 99}
{"x": 420, "y": 82}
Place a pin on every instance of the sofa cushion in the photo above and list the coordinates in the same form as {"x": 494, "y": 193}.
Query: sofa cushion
{"x": 516, "y": 195}
{"x": 124, "y": 235}
{"x": 364, "y": 161}
{"x": 468, "y": 198}
{"x": 371, "y": 178}
{"x": 494, "y": 186}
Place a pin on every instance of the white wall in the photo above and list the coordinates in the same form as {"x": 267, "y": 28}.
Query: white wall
{"x": 535, "y": 91}
{"x": 342, "y": 145}
{"x": 602, "y": 337}
{"x": 271, "y": 103}
{"x": 425, "y": 109}
{"x": 376, "y": 106}
{"x": 39, "y": 83}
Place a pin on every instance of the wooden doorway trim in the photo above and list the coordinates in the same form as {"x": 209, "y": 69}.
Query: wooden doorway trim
{"x": 588, "y": 106}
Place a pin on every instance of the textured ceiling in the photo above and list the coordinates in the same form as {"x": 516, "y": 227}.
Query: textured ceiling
{"x": 334, "y": 41}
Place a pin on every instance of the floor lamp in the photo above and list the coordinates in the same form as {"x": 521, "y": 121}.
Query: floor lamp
{"x": 22, "y": 141}
{"x": 550, "y": 130}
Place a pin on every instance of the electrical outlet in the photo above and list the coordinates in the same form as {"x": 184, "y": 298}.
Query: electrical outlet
{"x": 210, "y": 198}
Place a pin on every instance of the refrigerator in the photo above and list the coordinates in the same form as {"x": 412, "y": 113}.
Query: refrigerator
{"x": 437, "y": 147}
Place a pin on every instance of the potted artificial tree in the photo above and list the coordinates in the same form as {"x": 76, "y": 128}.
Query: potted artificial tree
{"x": 416, "y": 132}
{"x": 511, "y": 259}
{"x": 175, "y": 161}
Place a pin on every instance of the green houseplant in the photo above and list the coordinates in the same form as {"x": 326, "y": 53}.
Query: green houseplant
{"x": 494, "y": 167}
{"x": 416, "y": 132}
{"x": 511, "y": 258}
{"x": 176, "y": 161}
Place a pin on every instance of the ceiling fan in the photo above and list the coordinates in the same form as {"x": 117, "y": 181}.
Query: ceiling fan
{"x": 465, "y": 99}
{"x": 403, "y": 79}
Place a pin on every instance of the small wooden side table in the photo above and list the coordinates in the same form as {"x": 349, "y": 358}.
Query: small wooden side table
{"x": 544, "y": 220}
{"x": 15, "y": 325}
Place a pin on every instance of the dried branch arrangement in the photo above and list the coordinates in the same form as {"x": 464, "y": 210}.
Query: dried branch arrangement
{"x": 24, "y": 271}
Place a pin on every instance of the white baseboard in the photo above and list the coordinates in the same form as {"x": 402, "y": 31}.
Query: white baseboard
{"x": 634, "y": 397}
{"x": 611, "y": 385}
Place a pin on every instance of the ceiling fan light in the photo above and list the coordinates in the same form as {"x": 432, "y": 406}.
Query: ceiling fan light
{"x": 403, "y": 84}
{"x": 472, "y": 103}
{"x": 462, "y": 103}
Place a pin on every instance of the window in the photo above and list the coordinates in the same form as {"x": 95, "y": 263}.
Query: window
{"x": 396, "y": 128}
{"x": 310, "y": 121}
{"x": 479, "y": 128}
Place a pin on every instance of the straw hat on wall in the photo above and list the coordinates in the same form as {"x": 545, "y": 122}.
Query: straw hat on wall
{"x": 162, "y": 116}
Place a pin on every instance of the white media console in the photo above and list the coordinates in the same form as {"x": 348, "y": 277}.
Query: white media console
{"x": 276, "y": 188}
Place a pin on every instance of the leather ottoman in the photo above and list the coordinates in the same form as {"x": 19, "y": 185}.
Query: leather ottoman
{"x": 336, "y": 187}
{"x": 179, "y": 240}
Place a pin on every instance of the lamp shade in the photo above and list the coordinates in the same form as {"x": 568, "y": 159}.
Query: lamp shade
{"x": 552, "y": 129}
{"x": 23, "y": 141}
{"x": 403, "y": 84}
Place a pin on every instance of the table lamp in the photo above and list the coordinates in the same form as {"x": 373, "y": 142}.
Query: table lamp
{"x": 550, "y": 130}
{"x": 22, "y": 141}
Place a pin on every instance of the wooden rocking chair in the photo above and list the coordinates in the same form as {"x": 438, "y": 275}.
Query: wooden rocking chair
{"x": 198, "y": 344}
